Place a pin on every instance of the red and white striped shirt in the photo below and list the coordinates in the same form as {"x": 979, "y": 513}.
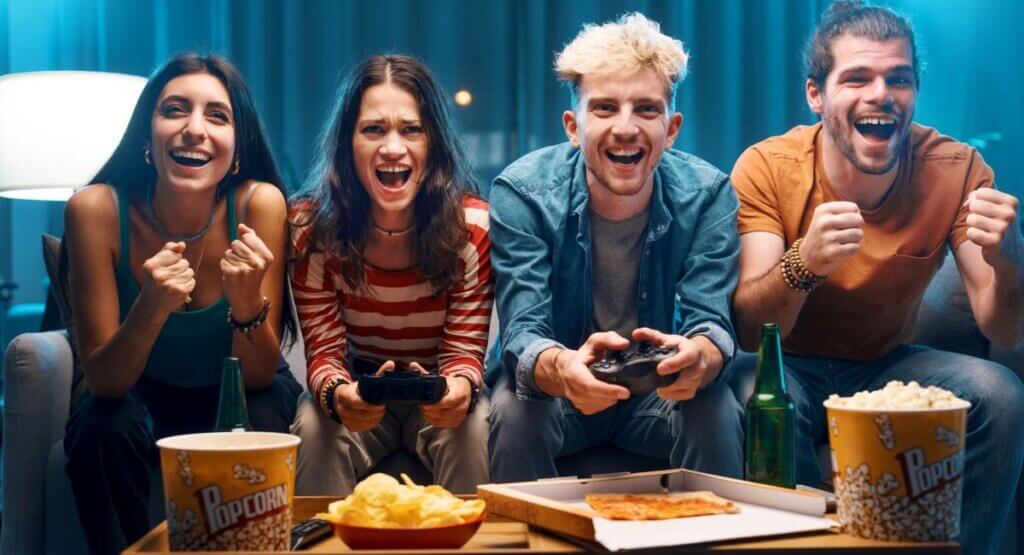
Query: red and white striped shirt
{"x": 396, "y": 317}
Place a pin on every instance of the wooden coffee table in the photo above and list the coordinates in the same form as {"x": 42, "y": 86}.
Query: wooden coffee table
{"x": 501, "y": 535}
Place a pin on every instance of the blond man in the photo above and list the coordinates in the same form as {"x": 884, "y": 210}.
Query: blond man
{"x": 610, "y": 238}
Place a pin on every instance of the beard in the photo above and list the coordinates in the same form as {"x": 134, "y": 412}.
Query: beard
{"x": 842, "y": 132}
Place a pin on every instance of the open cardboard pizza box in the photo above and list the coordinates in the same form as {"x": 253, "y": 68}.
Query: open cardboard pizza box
{"x": 558, "y": 505}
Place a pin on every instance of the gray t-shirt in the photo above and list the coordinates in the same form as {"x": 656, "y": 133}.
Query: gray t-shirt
{"x": 617, "y": 246}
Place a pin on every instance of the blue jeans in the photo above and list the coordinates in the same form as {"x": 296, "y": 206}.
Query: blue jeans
{"x": 704, "y": 433}
{"x": 994, "y": 448}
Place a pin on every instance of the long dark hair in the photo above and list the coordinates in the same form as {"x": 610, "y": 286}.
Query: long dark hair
{"x": 337, "y": 208}
{"x": 127, "y": 171}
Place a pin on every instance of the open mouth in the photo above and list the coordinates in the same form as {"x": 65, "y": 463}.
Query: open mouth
{"x": 190, "y": 158}
{"x": 393, "y": 177}
{"x": 625, "y": 156}
{"x": 876, "y": 128}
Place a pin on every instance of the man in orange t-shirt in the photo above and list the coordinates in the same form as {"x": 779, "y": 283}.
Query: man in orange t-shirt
{"x": 844, "y": 223}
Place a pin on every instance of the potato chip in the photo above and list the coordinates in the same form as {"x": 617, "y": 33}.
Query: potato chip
{"x": 380, "y": 501}
{"x": 377, "y": 489}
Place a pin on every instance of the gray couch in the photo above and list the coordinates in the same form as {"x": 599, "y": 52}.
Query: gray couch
{"x": 39, "y": 515}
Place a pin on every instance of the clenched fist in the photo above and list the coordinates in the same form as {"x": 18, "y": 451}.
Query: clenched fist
{"x": 242, "y": 270}
{"x": 992, "y": 225}
{"x": 169, "y": 278}
{"x": 836, "y": 231}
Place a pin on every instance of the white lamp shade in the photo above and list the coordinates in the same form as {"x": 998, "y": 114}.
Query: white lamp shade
{"x": 57, "y": 128}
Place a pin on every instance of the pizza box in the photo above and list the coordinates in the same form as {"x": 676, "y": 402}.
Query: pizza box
{"x": 558, "y": 505}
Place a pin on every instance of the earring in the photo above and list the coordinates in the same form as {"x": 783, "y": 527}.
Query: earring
{"x": 236, "y": 168}
{"x": 145, "y": 150}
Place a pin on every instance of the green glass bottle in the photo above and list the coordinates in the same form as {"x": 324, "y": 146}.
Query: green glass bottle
{"x": 232, "y": 414}
{"x": 770, "y": 456}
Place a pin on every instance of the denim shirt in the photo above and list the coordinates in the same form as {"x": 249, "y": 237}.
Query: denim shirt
{"x": 541, "y": 253}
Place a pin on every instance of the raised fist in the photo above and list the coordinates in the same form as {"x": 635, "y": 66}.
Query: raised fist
{"x": 836, "y": 231}
{"x": 169, "y": 278}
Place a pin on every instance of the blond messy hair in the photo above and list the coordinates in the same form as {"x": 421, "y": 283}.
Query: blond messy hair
{"x": 631, "y": 44}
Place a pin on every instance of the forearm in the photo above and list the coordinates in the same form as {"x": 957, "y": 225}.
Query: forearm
{"x": 113, "y": 368}
{"x": 762, "y": 300}
{"x": 545, "y": 373}
{"x": 259, "y": 352}
{"x": 713, "y": 359}
{"x": 1001, "y": 308}
{"x": 467, "y": 366}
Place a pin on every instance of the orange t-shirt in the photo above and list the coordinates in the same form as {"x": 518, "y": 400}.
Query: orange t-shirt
{"x": 870, "y": 303}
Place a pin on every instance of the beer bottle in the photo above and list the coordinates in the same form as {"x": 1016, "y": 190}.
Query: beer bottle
{"x": 232, "y": 415}
{"x": 770, "y": 456}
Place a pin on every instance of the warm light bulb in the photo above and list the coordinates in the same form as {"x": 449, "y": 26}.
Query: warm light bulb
{"x": 463, "y": 98}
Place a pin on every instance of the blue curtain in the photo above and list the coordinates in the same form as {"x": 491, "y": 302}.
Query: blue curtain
{"x": 745, "y": 82}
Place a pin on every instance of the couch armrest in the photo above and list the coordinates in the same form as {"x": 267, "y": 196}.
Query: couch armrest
{"x": 37, "y": 392}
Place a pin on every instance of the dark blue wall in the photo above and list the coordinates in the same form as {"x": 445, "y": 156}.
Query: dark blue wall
{"x": 745, "y": 84}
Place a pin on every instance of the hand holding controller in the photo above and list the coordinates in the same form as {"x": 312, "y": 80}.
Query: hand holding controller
{"x": 635, "y": 368}
{"x": 402, "y": 385}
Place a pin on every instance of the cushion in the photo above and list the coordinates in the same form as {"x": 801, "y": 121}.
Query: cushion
{"x": 56, "y": 261}
{"x": 946, "y": 320}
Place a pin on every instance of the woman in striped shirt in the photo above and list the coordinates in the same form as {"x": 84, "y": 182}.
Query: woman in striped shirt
{"x": 392, "y": 269}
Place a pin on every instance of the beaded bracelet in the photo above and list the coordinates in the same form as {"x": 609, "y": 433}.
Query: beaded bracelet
{"x": 256, "y": 322}
{"x": 795, "y": 274}
{"x": 327, "y": 397}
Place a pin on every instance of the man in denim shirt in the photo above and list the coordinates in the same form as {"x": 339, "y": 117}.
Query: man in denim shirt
{"x": 609, "y": 236}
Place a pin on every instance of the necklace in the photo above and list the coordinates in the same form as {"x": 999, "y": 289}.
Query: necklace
{"x": 390, "y": 233}
{"x": 182, "y": 238}
{"x": 199, "y": 264}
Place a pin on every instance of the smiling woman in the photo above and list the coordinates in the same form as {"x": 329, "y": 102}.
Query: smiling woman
{"x": 392, "y": 270}
{"x": 176, "y": 255}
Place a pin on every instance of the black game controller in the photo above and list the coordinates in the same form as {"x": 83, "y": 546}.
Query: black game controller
{"x": 398, "y": 385}
{"x": 635, "y": 368}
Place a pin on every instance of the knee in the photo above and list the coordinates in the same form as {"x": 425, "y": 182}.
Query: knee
{"x": 273, "y": 409}
{"x": 518, "y": 424}
{"x": 310, "y": 423}
{"x": 717, "y": 404}
{"x": 475, "y": 427}
{"x": 996, "y": 391}
{"x": 741, "y": 375}
{"x": 102, "y": 425}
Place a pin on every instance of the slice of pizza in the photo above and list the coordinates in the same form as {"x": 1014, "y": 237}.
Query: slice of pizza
{"x": 659, "y": 506}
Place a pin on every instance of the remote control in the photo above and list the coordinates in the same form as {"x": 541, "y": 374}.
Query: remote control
{"x": 308, "y": 532}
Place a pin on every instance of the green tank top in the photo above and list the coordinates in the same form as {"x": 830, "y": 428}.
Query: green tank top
{"x": 191, "y": 345}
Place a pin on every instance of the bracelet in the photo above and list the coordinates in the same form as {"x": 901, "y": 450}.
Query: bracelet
{"x": 248, "y": 327}
{"x": 474, "y": 393}
{"x": 327, "y": 398}
{"x": 795, "y": 274}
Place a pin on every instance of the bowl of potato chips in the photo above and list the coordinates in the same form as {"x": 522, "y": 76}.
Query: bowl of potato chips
{"x": 382, "y": 513}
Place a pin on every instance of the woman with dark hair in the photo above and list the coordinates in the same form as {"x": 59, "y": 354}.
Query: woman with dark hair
{"x": 176, "y": 260}
{"x": 392, "y": 269}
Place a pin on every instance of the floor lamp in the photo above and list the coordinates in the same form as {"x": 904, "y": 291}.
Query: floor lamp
{"x": 56, "y": 130}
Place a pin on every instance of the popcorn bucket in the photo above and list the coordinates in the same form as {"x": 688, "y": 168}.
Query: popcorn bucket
{"x": 898, "y": 472}
{"x": 229, "y": 491}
